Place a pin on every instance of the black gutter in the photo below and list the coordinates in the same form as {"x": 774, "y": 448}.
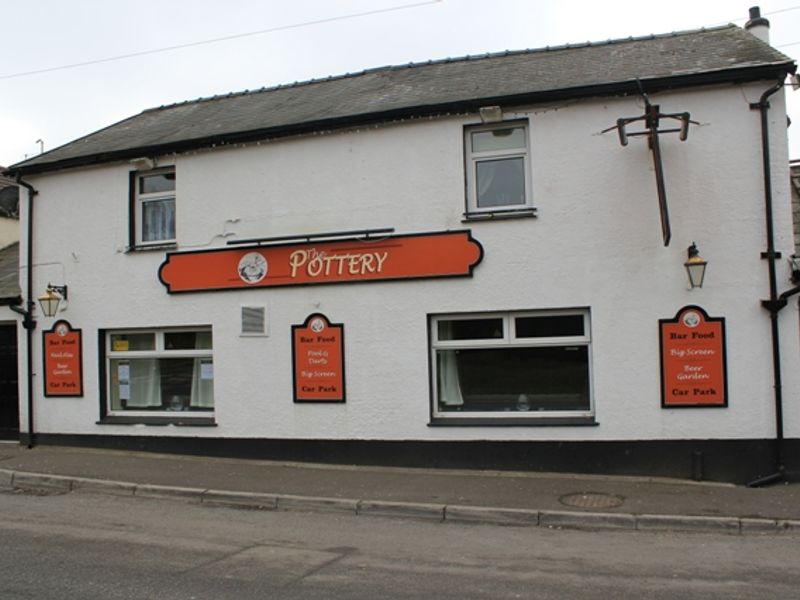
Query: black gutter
{"x": 776, "y": 302}
{"x": 28, "y": 322}
{"x": 619, "y": 88}
{"x": 15, "y": 301}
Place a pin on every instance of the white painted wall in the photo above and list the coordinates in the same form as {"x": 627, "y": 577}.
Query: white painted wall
{"x": 596, "y": 243}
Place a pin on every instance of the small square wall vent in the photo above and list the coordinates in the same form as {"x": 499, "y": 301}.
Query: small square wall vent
{"x": 254, "y": 320}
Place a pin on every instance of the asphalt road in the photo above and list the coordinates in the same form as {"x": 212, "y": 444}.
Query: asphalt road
{"x": 80, "y": 545}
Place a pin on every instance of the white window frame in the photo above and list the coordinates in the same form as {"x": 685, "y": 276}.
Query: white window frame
{"x": 509, "y": 339}
{"x": 158, "y": 352}
{"x": 472, "y": 158}
{"x": 140, "y": 199}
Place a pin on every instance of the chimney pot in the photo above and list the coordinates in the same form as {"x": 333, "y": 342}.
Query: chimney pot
{"x": 758, "y": 25}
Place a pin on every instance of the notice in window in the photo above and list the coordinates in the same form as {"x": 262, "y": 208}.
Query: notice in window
{"x": 318, "y": 359}
{"x": 693, "y": 363}
{"x": 206, "y": 370}
{"x": 63, "y": 364}
{"x": 124, "y": 371}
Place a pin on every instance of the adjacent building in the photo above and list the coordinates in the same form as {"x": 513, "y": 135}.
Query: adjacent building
{"x": 9, "y": 296}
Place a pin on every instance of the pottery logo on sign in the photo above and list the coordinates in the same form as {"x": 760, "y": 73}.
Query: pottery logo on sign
{"x": 253, "y": 267}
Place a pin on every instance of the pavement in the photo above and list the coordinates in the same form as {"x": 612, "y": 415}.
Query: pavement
{"x": 465, "y": 496}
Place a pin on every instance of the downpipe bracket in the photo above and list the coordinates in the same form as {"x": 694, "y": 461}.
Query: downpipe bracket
{"x": 773, "y": 306}
{"x": 28, "y": 322}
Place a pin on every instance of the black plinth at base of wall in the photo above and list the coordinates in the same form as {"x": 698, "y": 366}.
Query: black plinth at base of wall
{"x": 9, "y": 434}
{"x": 736, "y": 461}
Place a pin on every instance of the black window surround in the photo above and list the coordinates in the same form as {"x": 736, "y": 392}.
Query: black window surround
{"x": 204, "y": 418}
{"x": 497, "y": 171}
{"x": 519, "y": 368}
{"x": 135, "y": 210}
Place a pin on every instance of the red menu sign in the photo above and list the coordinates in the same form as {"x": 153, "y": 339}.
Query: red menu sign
{"x": 63, "y": 363}
{"x": 318, "y": 360}
{"x": 693, "y": 365}
{"x": 411, "y": 256}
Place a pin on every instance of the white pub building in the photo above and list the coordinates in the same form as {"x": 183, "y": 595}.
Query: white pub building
{"x": 481, "y": 262}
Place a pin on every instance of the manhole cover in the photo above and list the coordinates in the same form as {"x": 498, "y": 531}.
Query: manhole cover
{"x": 592, "y": 500}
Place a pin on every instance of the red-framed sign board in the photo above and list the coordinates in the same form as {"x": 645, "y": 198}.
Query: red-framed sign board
{"x": 410, "y": 256}
{"x": 693, "y": 360}
{"x": 63, "y": 361}
{"x": 318, "y": 360}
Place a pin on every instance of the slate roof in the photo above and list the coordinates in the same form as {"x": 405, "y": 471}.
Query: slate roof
{"x": 9, "y": 273}
{"x": 722, "y": 54}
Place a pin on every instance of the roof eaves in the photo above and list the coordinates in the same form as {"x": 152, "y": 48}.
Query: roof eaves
{"x": 652, "y": 85}
{"x": 14, "y": 170}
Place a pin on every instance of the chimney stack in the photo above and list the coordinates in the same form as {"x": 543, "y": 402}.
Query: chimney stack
{"x": 757, "y": 25}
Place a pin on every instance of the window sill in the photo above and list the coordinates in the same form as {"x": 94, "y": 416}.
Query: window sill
{"x": 152, "y": 248}
{"x": 513, "y": 422}
{"x": 159, "y": 421}
{"x": 497, "y": 215}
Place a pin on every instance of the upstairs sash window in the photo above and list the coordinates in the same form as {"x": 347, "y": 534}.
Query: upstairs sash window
{"x": 154, "y": 207}
{"x": 497, "y": 168}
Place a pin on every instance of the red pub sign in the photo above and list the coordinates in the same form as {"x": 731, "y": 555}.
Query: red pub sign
{"x": 318, "y": 360}
{"x": 63, "y": 362}
{"x": 693, "y": 361}
{"x": 409, "y": 256}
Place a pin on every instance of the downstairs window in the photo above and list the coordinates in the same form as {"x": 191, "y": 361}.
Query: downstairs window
{"x": 159, "y": 371}
{"x": 511, "y": 367}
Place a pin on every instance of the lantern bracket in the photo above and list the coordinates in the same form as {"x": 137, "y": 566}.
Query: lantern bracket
{"x": 652, "y": 119}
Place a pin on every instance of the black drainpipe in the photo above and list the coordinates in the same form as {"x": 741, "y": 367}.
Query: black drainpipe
{"x": 776, "y": 302}
{"x": 28, "y": 322}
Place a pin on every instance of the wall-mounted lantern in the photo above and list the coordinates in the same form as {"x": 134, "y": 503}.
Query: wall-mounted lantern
{"x": 695, "y": 266}
{"x": 51, "y": 298}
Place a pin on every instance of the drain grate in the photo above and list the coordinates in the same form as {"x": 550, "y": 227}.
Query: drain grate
{"x": 592, "y": 500}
